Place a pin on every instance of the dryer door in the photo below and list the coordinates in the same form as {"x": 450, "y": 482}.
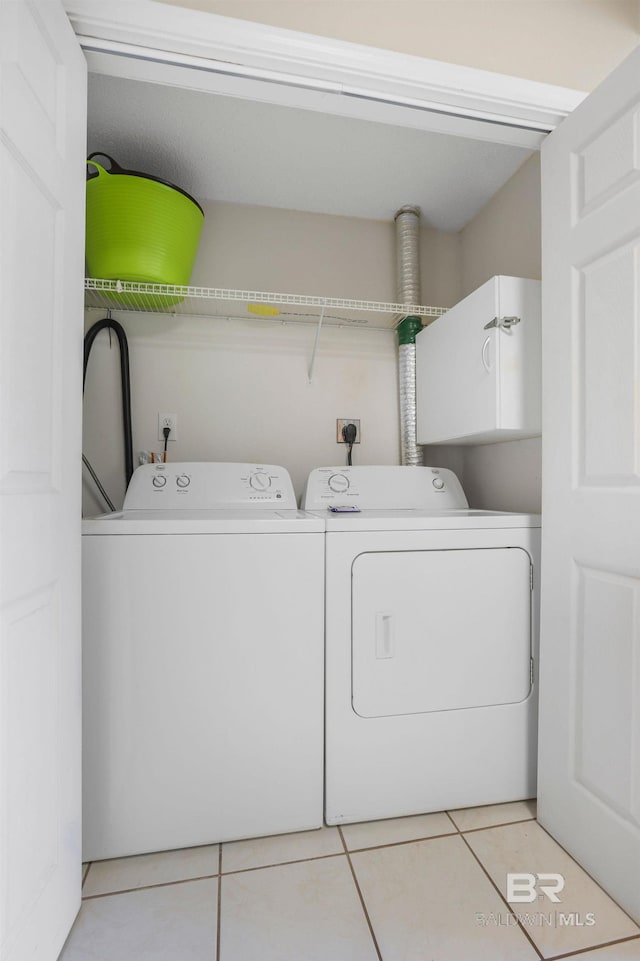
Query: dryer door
{"x": 440, "y": 630}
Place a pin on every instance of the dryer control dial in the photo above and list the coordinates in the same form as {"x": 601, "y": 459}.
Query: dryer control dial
{"x": 339, "y": 483}
{"x": 260, "y": 481}
{"x": 159, "y": 480}
{"x": 438, "y": 483}
{"x": 183, "y": 480}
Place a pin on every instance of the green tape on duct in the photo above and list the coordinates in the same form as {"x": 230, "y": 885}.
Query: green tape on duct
{"x": 407, "y": 330}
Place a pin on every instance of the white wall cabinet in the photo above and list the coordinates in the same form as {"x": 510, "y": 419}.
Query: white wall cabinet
{"x": 478, "y": 373}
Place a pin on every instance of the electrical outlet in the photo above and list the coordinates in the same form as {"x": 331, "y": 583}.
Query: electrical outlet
{"x": 342, "y": 422}
{"x": 168, "y": 420}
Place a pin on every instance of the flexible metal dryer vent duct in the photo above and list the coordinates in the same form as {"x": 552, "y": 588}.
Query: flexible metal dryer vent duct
{"x": 408, "y": 284}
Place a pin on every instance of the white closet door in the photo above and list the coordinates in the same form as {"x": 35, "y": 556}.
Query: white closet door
{"x": 589, "y": 775}
{"x": 42, "y": 144}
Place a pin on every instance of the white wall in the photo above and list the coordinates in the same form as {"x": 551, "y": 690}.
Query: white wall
{"x": 505, "y": 477}
{"x": 504, "y": 237}
{"x": 572, "y": 43}
{"x": 267, "y": 248}
{"x": 241, "y": 393}
{"x": 240, "y": 387}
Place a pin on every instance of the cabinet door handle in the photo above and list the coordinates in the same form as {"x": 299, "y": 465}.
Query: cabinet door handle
{"x": 485, "y": 355}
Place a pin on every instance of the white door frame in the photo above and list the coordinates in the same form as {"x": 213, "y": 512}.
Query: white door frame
{"x": 156, "y": 41}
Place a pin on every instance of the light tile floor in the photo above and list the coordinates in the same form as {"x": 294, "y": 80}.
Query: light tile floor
{"x": 425, "y": 888}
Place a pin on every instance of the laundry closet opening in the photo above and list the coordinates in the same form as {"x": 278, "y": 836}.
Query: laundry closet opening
{"x": 301, "y": 201}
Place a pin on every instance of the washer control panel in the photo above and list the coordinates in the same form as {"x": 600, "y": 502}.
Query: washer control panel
{"x": 205, "y": 486}
{"x": 384, "y": 488}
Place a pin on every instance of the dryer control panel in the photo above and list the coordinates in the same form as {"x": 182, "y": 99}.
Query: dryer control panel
{"x": 384, "y": 488}
{"x": 209, "y": 486}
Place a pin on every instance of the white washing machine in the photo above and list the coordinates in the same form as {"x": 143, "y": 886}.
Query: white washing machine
{"x": 203, "y": 640}
{"x": 431, "y": 634}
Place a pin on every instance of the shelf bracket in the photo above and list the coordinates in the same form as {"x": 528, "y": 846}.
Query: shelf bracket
{"x": 315, "y": 342}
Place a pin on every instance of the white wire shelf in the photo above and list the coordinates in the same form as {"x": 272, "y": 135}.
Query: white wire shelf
{"x": 250, "y": 304}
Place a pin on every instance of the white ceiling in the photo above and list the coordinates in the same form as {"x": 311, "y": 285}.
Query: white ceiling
{"x": 230, "y": 150}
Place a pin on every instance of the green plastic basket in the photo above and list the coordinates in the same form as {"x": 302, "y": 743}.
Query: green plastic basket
{"x": 139, "y": 228}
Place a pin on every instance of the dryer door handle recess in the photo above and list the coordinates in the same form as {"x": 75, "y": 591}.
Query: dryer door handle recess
{"x": 384, "y": 636}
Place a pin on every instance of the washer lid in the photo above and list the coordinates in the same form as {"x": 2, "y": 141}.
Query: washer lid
{"x": 418, "y": 520}
{"x": 231, "y": 521}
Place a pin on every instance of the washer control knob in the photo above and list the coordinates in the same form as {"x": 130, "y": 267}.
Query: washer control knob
{"x": 339, "y": 483}
{"x": 159, "y": 480}
{"x": 260, "y": 481}
{"x": 183, "y": 480}
{"x": 438, "y": 483}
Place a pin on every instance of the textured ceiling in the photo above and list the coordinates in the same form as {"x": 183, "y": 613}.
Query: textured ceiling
{"x": 230, "y": 150}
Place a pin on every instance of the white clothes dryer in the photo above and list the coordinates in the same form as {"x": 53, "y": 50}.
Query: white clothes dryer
{"x": 203, "y": 661}
{"x": 431, "y": 635}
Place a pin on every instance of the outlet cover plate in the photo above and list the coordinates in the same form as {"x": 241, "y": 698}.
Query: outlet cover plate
{"x": 342, "y": 422}
{"x": 168, "y": 420}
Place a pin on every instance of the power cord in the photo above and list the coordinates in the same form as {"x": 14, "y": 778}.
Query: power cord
{"x": 166, "y": 431}
{"x": 349, "y": 437}
{"x": 96, "y": 479}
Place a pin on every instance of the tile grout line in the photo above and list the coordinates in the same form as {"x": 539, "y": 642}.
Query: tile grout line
{"x": 206, "y": 877}
{"x": 219, "y": 918}
{"x": 500, "y": 895}
{"x": 490, "y": 827}
{"x": 593, "y": 948}
{"x": 453, "y": 822}
{"x": 432, "y": 837}
{"x": 280, "y": 864}
{"x": 148, "y": 887}
{"x": 399, "y": 844}
{"x": 360, "y": 895}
